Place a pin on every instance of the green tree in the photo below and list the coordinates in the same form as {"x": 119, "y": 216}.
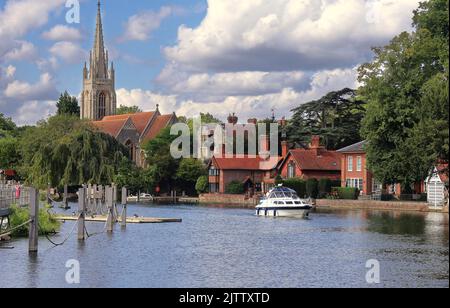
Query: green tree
{"x": 188, "y": 172}
{"x": 163, "y": 166}
{"x": 336, "y": 117}
{"x": 406, "y": 87}
{"x": 202, "y": 185}
{"x": 68, "y": 105}
{"x": 7, "y": 126}
{"x": 9, "y": 154}
{"x": 128, "y": 109}
{"x": 66, "y": 150}
{"x": 235, "y": 188}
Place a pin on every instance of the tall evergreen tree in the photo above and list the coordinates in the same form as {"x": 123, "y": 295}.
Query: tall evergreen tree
{"x": 68, "y": 105}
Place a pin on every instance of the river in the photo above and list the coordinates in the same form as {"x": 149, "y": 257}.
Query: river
{"x": 232, "y": 248}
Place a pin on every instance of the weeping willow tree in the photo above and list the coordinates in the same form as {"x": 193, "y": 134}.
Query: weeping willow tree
{"x": 64, "y": 150}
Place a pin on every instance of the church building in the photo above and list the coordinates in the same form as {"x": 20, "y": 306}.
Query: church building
{"x": 99, "y": 103}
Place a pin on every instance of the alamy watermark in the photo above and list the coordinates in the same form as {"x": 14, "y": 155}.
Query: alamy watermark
{"x": 73, "y": 275}
{"x": 203, "y": 141}
{"x": 373, "y": 275}
{"x": 73, "y": 13}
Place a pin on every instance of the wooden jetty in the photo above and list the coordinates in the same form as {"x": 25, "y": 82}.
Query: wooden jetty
{"x": 130, "y": 220}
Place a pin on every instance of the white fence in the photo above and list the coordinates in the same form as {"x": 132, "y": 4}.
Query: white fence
{"x": 13, "y": 194}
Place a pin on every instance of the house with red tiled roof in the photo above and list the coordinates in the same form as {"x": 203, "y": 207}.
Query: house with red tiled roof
{"x": 133, "y": 130}
{"x": 314, "y": 162}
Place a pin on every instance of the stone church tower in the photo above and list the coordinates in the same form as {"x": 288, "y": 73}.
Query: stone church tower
{"x": 98, "y": 98}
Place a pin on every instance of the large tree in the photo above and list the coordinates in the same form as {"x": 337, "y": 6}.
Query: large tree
{"x": 66, "y": 150}
{"x": 68, "y": 105}
{"x": 406, "y": 87}
{"x": 336, "y": 117}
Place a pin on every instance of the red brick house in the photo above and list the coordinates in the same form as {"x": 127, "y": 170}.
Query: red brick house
{"x": 315, "y": 162}
{"x": 354, "y": 172}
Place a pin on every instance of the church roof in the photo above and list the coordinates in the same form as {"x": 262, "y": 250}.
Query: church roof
{"x": 112, "y": 127}
{"x": 140, "y": 120}
{"x": 159, "y": 124}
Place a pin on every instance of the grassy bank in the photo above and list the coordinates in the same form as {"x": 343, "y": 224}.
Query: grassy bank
{"x": 19, "y": 215}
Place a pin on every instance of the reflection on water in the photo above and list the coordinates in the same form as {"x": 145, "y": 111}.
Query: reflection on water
{"x": 219, "y": 247}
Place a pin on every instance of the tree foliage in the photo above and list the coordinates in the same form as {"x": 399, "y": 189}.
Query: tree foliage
{"x": 406, "y": 87}
{"x": 336, "y": 117}
{"x": 66, "y": 150}
{"x": 68, "y": 105}
{"x": 128, "y": 109}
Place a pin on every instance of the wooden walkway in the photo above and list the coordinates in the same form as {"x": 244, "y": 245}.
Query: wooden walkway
{"x": 130, "y": 220}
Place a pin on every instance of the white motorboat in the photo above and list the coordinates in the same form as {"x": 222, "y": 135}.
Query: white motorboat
{"x": 283, "y": 202}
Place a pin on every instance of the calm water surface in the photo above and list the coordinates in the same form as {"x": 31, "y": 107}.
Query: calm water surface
{"x": 216, "y": 247}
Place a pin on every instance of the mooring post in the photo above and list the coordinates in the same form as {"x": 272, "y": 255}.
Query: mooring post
{"x": 34, "y": 223}
{"x": 89, "y": 196}
{"x": 49, "y": 200}
{"x": 82, "y": 213}
{"x": 65, "y": 199}
{"x": 95, "y": 194}
{"x": 115, "y": 211}
{"x": 109, "y": 203}
{"x": 124, "y": 204}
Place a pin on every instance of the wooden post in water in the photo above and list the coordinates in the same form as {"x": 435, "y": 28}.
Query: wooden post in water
{"x": 65, "y": 199}
{"x": 124, "y": 204}
{"x": 115, "y": 211}
{"x": 34, "y": 224}
{"x": 49, "y": 200}
{"x": 89, "y": 197}
{"x": 82, "y": 213}
{"x": 109, "y": 203}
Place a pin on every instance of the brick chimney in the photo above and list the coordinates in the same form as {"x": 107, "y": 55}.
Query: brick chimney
{"x": 264, "y": 146}
{"x": 315, "y": 145}
{"x": 284, "y": 148}
{"x": 252, "y": 121}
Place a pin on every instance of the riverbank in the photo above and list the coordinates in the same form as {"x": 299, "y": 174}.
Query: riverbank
{"x": 241, "y": 201}
{"x": 378, "y": 205}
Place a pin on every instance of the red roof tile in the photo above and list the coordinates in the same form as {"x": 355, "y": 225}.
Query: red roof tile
{"x": 159, "y": 124}
{"x": 443, "y": 172}
{"x": 246, "y": 163}
{"x": 111, "y": 127}
{"x": 309, "y": 160}
{"x": 140, "y": 120}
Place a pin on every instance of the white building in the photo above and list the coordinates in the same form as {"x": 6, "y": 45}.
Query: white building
{"x": 436, "y": 188}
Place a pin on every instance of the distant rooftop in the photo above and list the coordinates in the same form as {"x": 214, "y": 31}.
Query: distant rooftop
{"x": 354, "y": 148}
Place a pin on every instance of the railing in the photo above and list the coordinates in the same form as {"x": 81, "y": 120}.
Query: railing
{"x": 9, "y": 196}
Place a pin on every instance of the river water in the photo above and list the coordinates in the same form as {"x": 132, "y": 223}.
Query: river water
{"x": 219, "y": 247}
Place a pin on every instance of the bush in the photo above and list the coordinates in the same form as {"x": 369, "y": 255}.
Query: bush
{"x": 19, "y": 215}
{"x": 347, "y": 193}
{"x": 235, "y": 188}
{"x": 202, "y": 185}
{"x": 298, "y": 185}
{"x": 312, "y": 188}
{"x": 325, "y": 186}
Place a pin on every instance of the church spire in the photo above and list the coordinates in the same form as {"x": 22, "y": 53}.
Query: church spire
{"x": 99, "y": 47}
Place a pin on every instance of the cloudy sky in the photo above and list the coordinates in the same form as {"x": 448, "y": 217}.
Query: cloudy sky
{"x": 218, "y": 56}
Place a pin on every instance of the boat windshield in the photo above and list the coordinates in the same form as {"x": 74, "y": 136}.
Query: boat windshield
{"x": 283, "y": 193}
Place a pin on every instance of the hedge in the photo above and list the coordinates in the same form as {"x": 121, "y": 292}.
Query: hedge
{"x": 312, "y": 188}
{"x": 325, "y": 186}
{"x": 235, "y": 188}
{"x": 202, "y": 185}
{"x": 347, "y": 193}
{"x": 298, "y": 185}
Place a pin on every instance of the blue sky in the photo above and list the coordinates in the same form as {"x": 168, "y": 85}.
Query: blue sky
{"x": 189, "y": 56}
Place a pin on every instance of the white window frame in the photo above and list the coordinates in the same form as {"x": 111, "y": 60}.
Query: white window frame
{"x": 350, "y": 163}
{"x": 359, "y": 163}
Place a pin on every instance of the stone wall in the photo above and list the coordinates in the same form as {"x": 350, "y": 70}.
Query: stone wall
{"x": 376, "y": 205}
{"x": 239, "y": 200}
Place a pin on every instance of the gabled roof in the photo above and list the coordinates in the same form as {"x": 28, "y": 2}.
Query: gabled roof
{"x": 111, "y": 127}
{"x": 249, "y": 163}
{"x": 159, "y": 124}
{"x": 140, "y": 120}
{"x": 309, "y": 160}
{"x": 354, "y": 148}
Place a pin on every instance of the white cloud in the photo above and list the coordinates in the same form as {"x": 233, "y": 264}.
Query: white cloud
{"x": 33, "y": 111}
{"x": 10, "y": 71}
{"x": 257, "y": 35}
{"x": 139, "y": 27}
{"x": 69, "y": 52}
{"x": 23, "y": 50}
{"x": 146, "y": 100}
{"x": 62, "y": 33}
{"x": 44, "y": 89}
